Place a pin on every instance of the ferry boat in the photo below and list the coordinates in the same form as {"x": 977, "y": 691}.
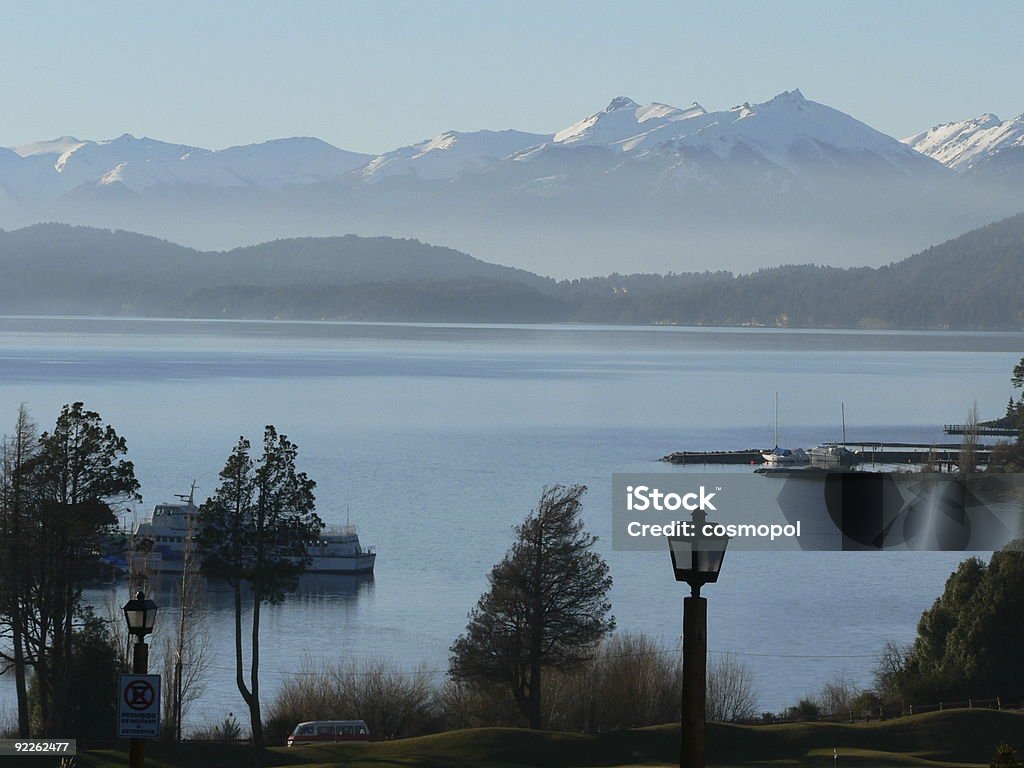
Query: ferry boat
{"x": 163, "y": 544}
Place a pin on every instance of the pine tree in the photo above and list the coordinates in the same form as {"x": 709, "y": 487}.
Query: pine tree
{"x": 547, "y": 605}
{"x": 254, "y": 531}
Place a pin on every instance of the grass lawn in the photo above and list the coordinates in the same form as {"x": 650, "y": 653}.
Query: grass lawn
{"x": 938, "y": 739}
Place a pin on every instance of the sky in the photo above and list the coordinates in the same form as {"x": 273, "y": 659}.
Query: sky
{"x": 372, "y": 76}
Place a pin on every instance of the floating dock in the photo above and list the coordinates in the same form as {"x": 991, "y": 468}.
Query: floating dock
{"x": 748, "y": 456}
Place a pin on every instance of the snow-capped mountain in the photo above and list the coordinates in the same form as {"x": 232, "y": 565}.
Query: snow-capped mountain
{"x": 61, "y": 165}
{"x": 788, "y": 131}
{"x": 965, "y": 144}
{"x": 450, "y": 154}
{"x": 629, "y": 187}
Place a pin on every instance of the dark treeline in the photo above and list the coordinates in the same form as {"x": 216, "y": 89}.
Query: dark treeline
{"x": 974, "y": 282}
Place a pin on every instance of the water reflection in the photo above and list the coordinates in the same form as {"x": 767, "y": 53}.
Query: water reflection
{"x": 165, "y": 589}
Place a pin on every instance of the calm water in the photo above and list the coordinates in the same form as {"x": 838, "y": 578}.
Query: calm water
{"x": 439, "y": 438}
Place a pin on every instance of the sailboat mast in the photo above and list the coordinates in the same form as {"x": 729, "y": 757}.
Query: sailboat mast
{"x": 776, "y": 419}
{"x": 842, "y": 406}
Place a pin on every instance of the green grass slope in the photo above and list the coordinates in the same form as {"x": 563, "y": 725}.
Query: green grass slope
{"x": 959, "y": 738}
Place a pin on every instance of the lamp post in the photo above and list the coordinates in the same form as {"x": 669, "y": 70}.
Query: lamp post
{"x": 697, "y": 560}
{"x": 140, "y": 615}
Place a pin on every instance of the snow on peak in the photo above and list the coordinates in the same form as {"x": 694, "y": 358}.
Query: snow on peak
{"x": 621, "y": 102}
{"x": 961, "y": 144}
{"x": 56, "y": 146}
{"x": 789, "y": 97}
{"x": 115, "y": 176}
{"x": 786, "y": 130}
{"x": 139, "y": 163}
{"x": 449, "y": 154}
{"x": 443, "y": 141}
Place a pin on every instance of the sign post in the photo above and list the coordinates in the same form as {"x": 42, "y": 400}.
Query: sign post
{"x": 138, "y": 707}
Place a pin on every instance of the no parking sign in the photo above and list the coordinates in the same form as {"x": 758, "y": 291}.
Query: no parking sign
{"x": 138, "y": 707}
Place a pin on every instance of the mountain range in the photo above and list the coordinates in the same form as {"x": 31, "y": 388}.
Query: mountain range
{"x": 629, "y": 188}
{"x": 975, "y": 281}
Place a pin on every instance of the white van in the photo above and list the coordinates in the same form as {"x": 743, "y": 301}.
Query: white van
{"x": 328, "y": 731}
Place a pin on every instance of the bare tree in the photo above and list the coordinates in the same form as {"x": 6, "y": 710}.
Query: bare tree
{"x": 731, "y": 694}
{"x": 17, "y": 534}
{"x": 187, "y": 654}
{"x": 968, "y": 460}
{"x": 838, "y": 696}
{"x": 889, "y": 669}
{"x": 630, "y": 681}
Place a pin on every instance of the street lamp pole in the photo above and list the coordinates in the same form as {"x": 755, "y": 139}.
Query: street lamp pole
{"x": 697, "y": 560}
{"x": 140, "y": 666}
{"x": 140, "y": 615}
{"x": 695, "y": 679}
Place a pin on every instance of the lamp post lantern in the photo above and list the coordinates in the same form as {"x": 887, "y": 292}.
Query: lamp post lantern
{"x": 697, "y": 560}
{"x": 140, "y": 616}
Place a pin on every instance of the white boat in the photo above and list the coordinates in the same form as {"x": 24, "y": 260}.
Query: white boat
{"x": 832, "y": 455}
{"x": 163, "y": 544}
{"x": 778, "y": 455}
{"x": 785, "y": 456}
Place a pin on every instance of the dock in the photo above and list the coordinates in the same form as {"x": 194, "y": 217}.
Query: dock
{"x": 865, "y": 452}
{"x": 748, "y": 456}
{"x": 964, "y": 429}
{"x": 879, "y": 452}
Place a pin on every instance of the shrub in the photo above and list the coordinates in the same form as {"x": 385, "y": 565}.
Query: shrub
{"x": 468, "y": 704}
{"x": 227, "y": 730}
{"x": 394, "y": 702}
{"x": 629, "y": 681}
{"x": 1006, "y": 757}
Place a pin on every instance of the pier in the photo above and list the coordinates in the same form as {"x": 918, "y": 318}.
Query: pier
{"x": 864, "y": 452}
{"x": 964, "y": 429}
{"x": 748, "y": 456}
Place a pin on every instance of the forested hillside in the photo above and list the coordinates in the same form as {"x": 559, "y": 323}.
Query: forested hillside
{"x": 975, "y": 281}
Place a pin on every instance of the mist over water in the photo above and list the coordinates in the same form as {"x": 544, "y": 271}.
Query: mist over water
{"x": 437, "y": 439}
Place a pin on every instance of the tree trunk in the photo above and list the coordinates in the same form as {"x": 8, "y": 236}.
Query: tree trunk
{"x": 63, "y": 680}
{"x": 255, "y": 718}
{"x": 536, "y": 625}
{"x": 43, "y": 678}
{"x": 19, "y": 672}
{"x": 239, "y": 676}
{"x": 536, "y": 721}
{"x": 18, "y": 558}
{"x": 17, "y": 618}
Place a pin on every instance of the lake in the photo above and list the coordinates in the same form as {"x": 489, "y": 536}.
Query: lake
{"x": 437, "y": 439}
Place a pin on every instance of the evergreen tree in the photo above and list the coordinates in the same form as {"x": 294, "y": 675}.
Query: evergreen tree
{"x": 968, "y": 643}
{"x": 546, "y": 607}
{"x": 66, "y": 488}
{"x": 254, "y": 532}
